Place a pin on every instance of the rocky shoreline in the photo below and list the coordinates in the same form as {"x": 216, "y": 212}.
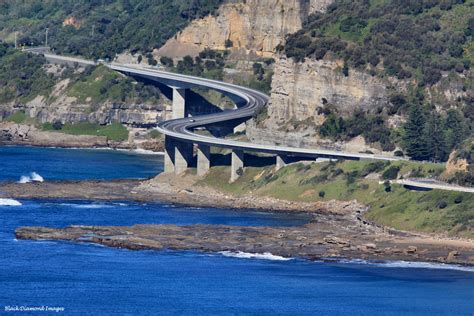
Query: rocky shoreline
{"x": 337, "y": 229}
{"x": 12, "y": 134}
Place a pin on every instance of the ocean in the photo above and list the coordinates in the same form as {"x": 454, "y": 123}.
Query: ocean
{"x": 85, "y": 279}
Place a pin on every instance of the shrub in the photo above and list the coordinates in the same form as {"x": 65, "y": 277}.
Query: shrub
{"x": 372, "y": 167}
{"x": 228, "y": 43}
{"x": 458, "y": 199}
{"x": 17, "y": 117}
{"x": 442, "y": 204}
{"x": 387, "y": 186}
{"x": 322, "y": 194}
{"x": 391, "y": 173}
{"x": 399, "y": 153}
{"x": 57, "y": 125}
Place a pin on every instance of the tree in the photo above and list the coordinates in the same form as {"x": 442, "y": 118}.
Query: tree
{"x": 455, "y": 129}
{"x": 414, "y": 140}
{"x": 435, "y": 138}
{"x": 333, "y": 127}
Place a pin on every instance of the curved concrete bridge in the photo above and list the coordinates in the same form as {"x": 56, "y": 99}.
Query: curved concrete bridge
{"x": 180, "y": 131}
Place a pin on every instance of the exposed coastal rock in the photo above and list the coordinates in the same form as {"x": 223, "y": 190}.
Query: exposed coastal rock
{"x": 11, "y": 133}
{"x": 336, "y": 229}
{"x": 455, "y": 165}
{"x": 252, "y": 27}
{"x": 22, "y": 134}
{"x": 324, "y": 238}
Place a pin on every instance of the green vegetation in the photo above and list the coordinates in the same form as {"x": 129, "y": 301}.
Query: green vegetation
{"x": 100, "y": 29}
{"x": 371, "y": 126}
{"x": 155, "y": 134}
{"x": 211, "y": 63}
{"x": 114, "y": 131}
{"x": 98, "y": 84}
{"x": 430, "y": 136}
{"x": 390, "y": 204}
{"x": 411, "y": 39}
{"x": 17, "y": 117}
{"x": 22, "y": 76}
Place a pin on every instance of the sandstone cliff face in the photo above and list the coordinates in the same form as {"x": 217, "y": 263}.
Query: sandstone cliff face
{"x": 300, "y": 89}
{"x": 252, "y": 26}
{"x": 68, "y": 110}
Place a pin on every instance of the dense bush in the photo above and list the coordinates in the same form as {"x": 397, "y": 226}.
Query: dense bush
{"x": 391, "y": 173}
{"x": 371, "y": 126}
{"x": 409, "y": 38}
{"x": 430, "y": 136}
{"x": 100, "y": 29}
{"x": 22, "y": 75}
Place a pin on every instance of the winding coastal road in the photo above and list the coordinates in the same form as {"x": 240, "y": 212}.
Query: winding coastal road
{"x": 249, "y": 101}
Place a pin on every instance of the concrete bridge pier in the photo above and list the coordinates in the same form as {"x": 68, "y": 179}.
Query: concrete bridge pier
{"x": 183, "y": 156}
{"x": 178, "y": 156}
{"x": 179, "y": 103}
{"x": 169, "y": 155}
{"x": 237, "y": 164}
{"x": 281, "y": 161}
{"x": 203, "y": 159}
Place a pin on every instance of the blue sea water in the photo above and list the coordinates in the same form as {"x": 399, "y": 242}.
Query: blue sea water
{"x": 76, "y": 164}
{"x": 93, "y": 280}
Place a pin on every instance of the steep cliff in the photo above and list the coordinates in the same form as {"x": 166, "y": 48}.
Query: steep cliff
{"x": 252, "y": 26}
{"x": 301, "y": 92}
{"x": 95, "y": 95}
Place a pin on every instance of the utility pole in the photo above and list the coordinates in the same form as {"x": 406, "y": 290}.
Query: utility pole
{"x": 46, "y": 42}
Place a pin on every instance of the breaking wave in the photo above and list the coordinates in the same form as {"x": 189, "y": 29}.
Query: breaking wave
{"x": 33, "y": 177}
{"x": 411, "y": 264}
{"x": 9, "y": 202}
{"x": 87, "y": 206}
{"x": 247, "y": 255}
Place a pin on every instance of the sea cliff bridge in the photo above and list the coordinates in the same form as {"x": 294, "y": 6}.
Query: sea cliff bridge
{"x": 180, "y": 132}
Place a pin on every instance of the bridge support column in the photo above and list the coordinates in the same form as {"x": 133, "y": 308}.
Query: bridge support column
{"x": 281, "y": 161}
{"x": 183, "y": 155}
{"x": 179, "y": 103}
{"x": 237, "y": 164}
{"x": 203, "y": 159}
{"x": 169, "y": 154}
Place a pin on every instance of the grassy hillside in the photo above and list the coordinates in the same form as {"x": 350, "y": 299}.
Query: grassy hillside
{"x": 99, "y": 29}
{"x": 100, "y": 84}
{"x": 392, "y": 205}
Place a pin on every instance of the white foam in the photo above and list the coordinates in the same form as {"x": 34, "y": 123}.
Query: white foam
{"x": 33, "y": 177}
{"x": 9, "y": 202}
{"x": 24, "y": 179}
{"x": 147, "y": 152}
{"x": 247, "y": 255}
{"x": 36, "y": 177}
{"x": 412, "y": 265}
{"x": 86, "y": 206}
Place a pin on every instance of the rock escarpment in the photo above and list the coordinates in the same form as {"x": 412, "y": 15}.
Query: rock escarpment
{"x": 301, "y": 90}
{"x": 252, "y": 26}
